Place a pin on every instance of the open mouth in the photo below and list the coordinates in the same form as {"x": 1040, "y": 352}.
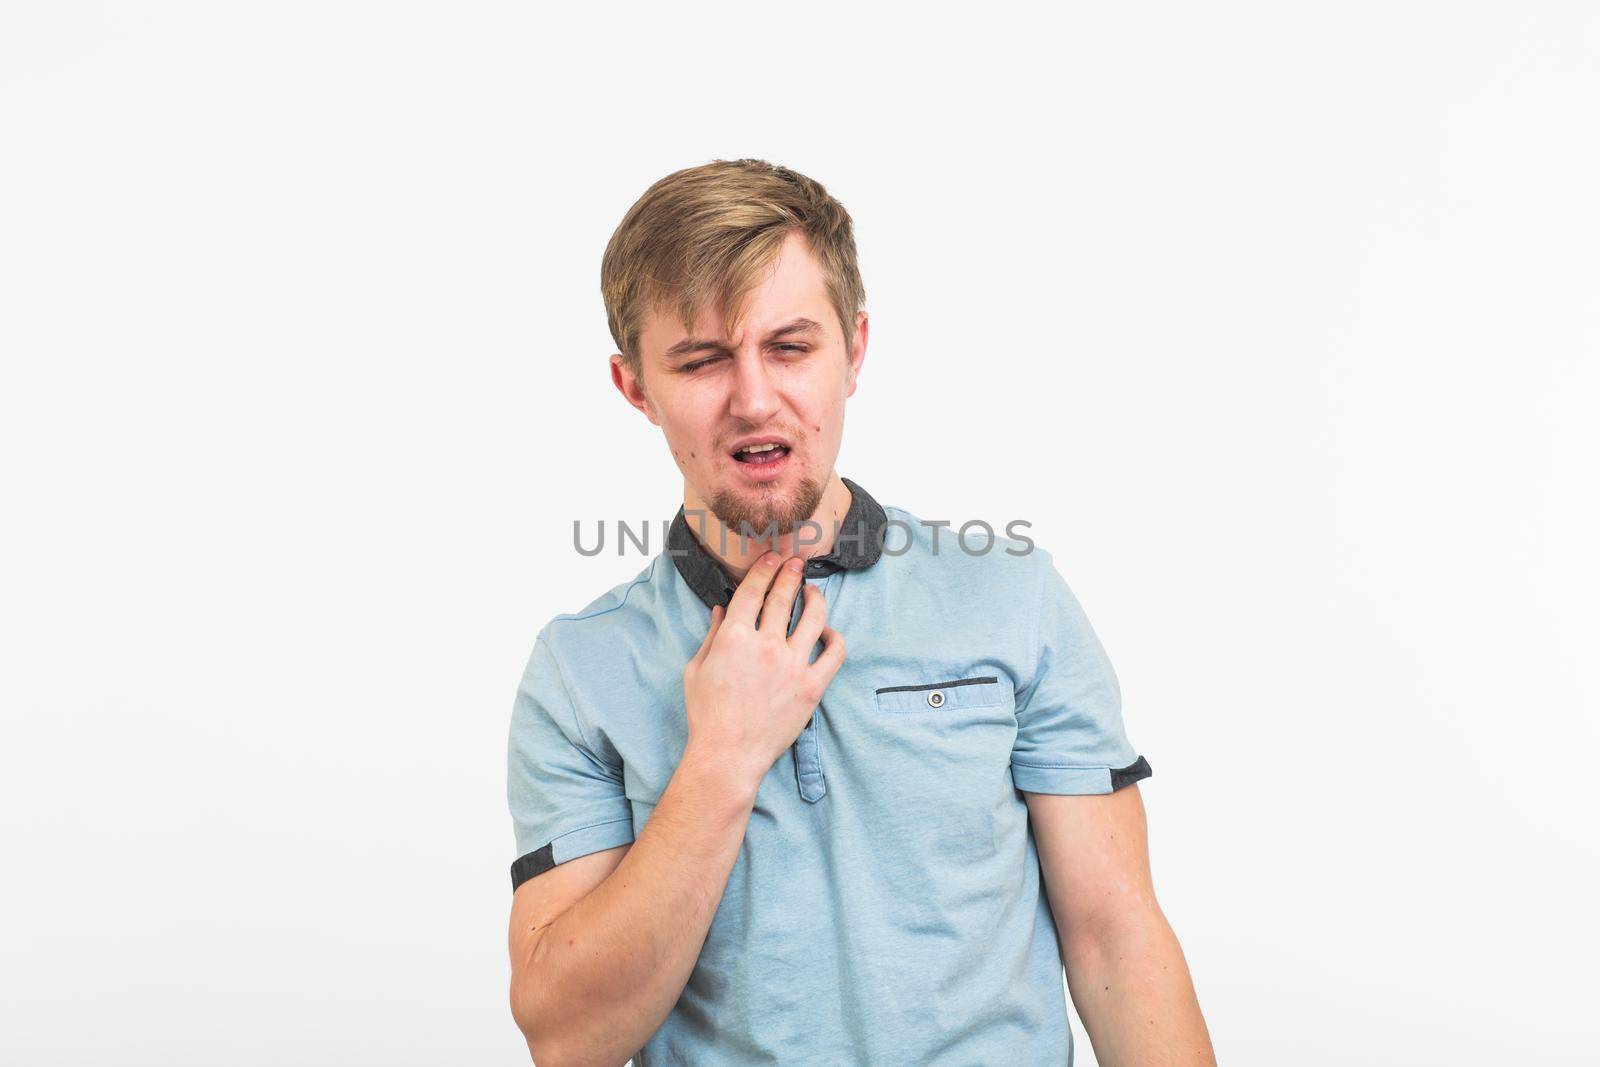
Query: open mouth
{"x": 761, "y": 455}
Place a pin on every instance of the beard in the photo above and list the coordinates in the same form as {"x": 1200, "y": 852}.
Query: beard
{"x": 758, "y": 518}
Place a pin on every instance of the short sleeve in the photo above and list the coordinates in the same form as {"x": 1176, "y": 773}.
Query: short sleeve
{"x": 565, "y": 801}
{"x": 1070, "y": 737}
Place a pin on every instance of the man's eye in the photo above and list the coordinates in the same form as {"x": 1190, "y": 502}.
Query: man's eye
{"x": 793, "y": 348}
{"x": 697, "y": 364}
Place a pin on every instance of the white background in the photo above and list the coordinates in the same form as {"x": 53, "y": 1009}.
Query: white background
{"x": 1279, "y": 322}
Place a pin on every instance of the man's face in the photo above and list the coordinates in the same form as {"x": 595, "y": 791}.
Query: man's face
{"x": 781, "y": 379}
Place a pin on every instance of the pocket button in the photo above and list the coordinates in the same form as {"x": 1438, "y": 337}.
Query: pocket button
{"x": 935, "y": 699}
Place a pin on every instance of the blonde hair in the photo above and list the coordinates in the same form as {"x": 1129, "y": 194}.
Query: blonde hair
{"x": 707, "y": 235}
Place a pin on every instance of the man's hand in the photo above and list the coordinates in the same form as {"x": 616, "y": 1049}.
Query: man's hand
{"x": 749, "y": 691}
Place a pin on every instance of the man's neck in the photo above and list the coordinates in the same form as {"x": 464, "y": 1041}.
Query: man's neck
{"x": 737, "y": 554}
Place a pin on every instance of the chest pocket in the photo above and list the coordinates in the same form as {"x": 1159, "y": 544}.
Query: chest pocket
{"x": 948, "y": 794}
{"x": 944, "y": 697}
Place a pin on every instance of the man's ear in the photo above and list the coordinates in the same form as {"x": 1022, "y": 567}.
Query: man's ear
{"x": 858, "y": 351}
{"x": 631, "y": 388}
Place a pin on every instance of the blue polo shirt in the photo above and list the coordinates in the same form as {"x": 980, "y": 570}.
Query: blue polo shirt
{"x": 886, "y": 905}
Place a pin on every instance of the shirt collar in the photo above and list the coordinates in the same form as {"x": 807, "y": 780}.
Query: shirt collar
{"x": 857, "y": 546}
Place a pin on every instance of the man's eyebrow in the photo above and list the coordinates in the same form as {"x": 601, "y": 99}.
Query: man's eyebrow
{"x": 699, "y": 344}
{"x": 797, "y": 326}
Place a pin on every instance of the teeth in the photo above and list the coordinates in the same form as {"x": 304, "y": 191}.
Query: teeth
{"x": 758, "y": 448}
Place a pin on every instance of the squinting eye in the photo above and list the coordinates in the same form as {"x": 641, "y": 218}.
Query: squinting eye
{"x": 697, "y": 364}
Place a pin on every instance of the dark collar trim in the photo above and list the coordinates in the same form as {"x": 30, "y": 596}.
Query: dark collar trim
{"x": 857, "y": 546}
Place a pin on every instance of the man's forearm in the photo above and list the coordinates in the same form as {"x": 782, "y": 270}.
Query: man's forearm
{"x": 1133, "y": 991}
{"x": 605, "y": 974}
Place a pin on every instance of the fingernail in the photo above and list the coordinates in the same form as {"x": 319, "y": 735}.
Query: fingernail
{"x": 794, "y": 563}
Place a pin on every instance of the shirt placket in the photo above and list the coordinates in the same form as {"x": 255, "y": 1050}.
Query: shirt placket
{"x": 808, "y": 746}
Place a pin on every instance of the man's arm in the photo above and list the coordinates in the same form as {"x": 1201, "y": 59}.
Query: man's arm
{"x": 600, "y": 953}
{"x": 1124, "y": 967}
{"x": 602, "y": 945}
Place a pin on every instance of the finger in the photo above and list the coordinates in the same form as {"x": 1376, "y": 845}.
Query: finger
{"x": 779, "y": 605}
{"x": 813, "y": 617}
{"x": 828, "y": 664}
{"x": 746, "y": 602}
{"x": 711, "y": 633}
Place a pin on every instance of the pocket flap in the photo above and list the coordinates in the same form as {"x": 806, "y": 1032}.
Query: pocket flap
{"x": 949, "y": 694}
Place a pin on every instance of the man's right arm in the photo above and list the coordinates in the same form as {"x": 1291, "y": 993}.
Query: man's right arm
{"x": 603, "y": 944}
{"x": 596, "y": 968}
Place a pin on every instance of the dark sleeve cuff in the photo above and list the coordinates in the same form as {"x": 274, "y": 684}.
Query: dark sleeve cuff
{"x": 1133, "y": 772}
{"x": 1077, "y": 781}
{"x": 571, "y": 845}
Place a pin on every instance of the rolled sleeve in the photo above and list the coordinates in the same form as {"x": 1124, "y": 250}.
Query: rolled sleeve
{"x": 1070, "y": 737}
{"x": 566, "y": 801}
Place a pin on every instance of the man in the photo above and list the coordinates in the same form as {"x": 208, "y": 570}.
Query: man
{"x": 731, "y": 852}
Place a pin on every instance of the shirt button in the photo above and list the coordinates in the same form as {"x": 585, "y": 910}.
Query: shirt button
{"x": 935, "y": 699}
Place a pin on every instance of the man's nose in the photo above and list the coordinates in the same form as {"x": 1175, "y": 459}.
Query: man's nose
{"x": 754, "y": 399}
